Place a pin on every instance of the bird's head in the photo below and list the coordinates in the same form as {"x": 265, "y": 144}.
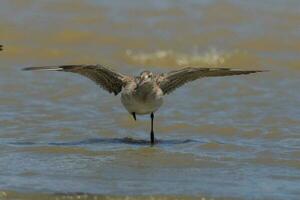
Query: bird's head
{"x": 146, "y": 76}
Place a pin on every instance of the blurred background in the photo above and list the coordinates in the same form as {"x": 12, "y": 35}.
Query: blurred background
{"x": 236, "y": 137}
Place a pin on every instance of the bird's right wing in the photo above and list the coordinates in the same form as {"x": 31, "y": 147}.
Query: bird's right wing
{"x": 109, "y": 80}
{"x": 168, "y": 82}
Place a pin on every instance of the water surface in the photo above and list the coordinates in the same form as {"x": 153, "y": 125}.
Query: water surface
{"x": 62, "y": 136}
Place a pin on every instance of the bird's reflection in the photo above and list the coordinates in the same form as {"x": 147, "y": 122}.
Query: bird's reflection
{"x": 125, "y": 140}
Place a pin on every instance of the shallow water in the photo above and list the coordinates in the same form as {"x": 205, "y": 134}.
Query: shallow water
{"x": 62, "y": 137}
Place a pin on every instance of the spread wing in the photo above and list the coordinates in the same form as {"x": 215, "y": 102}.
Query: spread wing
{"x": 109, "y": 80}
{"x": 168, "y": 82}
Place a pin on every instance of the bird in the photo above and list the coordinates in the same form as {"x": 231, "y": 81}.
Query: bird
{"x": 142, "y": 94}
{"x": 1, "y": 47}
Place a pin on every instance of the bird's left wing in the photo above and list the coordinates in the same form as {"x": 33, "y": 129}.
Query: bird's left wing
{"x": 109, "y": 80}
{"x": 168, "y": 82}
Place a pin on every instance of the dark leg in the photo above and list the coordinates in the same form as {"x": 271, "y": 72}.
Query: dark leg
{"x": 134, "y": 116}
{"x": 152, "y": 133}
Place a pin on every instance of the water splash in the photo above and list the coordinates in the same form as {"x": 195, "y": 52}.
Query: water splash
{"x": 211, "y": 58}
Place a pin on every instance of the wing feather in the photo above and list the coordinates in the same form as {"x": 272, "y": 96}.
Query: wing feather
{"x": 107, "y": 79}
{"x": 168, "y": 82}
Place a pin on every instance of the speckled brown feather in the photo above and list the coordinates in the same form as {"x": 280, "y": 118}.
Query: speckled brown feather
{"x": 109, "y": 80}
{"x": 113, "y": 82}
{"x": 168, "y": 82}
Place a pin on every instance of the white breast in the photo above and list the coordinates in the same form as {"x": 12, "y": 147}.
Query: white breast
{"x": 143, "y": 100}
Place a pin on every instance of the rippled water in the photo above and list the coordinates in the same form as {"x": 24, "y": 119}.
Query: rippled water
{"x": 233, "y": 137}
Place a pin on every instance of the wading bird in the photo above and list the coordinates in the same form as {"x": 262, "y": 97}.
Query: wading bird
{"x": 142, "y": 94}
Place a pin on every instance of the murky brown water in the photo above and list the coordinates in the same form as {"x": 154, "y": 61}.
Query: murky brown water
{"x": 62, "y": 137}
